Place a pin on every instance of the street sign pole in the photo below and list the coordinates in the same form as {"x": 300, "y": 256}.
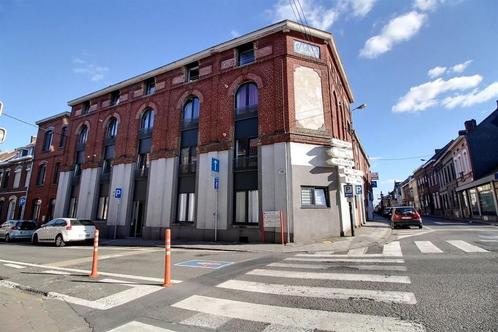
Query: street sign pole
{"x": 351, "y": 218}
{"x": 117, "y": 194}
{"x": 215, "y": 170}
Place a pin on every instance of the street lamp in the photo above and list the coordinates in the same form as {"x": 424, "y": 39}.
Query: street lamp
{"x": 361, "y": 107}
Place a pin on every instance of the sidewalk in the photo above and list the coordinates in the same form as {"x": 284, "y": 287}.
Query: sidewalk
{"x": 31, "y": 312}
{"x": 463, "y": 220}
{"x": 373, "y": 232}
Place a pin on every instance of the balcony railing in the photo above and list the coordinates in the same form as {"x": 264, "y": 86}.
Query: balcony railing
{"x": 246, "y": 112}
{"x": 190, "y": 168}
{"x": 245, "y": 163}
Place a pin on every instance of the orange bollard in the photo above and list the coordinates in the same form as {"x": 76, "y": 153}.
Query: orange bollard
{"x": 94, "y": 273}
{"x": 167, "y": 258}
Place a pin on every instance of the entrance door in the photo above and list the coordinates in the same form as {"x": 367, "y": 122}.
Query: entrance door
{"x": 137, "y": 219}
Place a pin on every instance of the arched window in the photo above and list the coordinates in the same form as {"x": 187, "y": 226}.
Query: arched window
{"x": 83, "y": 136}
{"x": 112, "y": 128}
{"x": 191, "y": 111}
{"x": 12, "y": 208}
{"x": 42, "y": 171}
{"x": 47, "y": 140}
{"x": 147, "y": 121}
{"x": 246, "y": 99}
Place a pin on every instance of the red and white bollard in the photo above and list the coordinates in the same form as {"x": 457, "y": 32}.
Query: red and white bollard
{"x": 167, "y": 258}
{"x": 95, "y": 261}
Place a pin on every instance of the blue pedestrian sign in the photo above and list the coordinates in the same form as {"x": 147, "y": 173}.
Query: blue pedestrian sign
{"x": 213, "y": 265}
{"x": 118, "y": 192}
{"x": 22, "y": 201}
{"x": 216, "y": 183}
{"x": 215, "y": 165}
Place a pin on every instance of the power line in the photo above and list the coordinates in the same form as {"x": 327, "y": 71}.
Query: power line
{"x": 401, "y": 158}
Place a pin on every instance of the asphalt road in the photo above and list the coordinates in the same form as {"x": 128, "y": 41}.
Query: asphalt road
{"x": 443, "y": 277}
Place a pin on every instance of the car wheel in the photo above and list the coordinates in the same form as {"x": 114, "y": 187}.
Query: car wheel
{"x": 7, "y": 238}
{"x": 35, "y": 240}
{"x": 59, "y": 241}
{"x": 419, "y": 226}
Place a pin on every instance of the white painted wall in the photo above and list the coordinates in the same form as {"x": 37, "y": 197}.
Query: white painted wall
{"x": 63, "y": 188}
{"x": 88, "y": 191}
{"x": 308, "y": 98}
{"x": 121, "y": 178}
{"x": 210, "y": 201}
{"x": 161, "y": 190}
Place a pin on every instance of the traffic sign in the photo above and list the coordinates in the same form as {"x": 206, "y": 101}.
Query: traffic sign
{"x": 213, "y": 265}
{"x": 348, "y": 190}
{"x": 22, "y": 201}
{"x": 216, "y": 183}
{"x": 215, "y": 165}
{"x": 374, "y": 184}
{"x": 118, "y": 192}
{"x": 359, "y": 190}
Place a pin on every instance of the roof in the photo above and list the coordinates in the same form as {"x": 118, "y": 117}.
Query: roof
{"x": 268, "y": 30}
{"x": 53, "y": 117}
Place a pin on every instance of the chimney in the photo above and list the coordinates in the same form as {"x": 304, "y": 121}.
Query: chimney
{"x": 462, "y": 132}
{"x": 470, "y": 125}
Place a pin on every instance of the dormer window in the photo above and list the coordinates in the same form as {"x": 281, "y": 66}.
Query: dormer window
{"x": 86, "y": 107}
{"x": 245, "y": 54}
{"x": 150, "y": 86}
{"x": 192, "y": 71}
{"x": 115, "y": 98}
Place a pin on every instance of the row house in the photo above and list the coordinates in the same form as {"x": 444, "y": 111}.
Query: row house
{"x": 15, "y": 173}
{"x": 205, "y": 145}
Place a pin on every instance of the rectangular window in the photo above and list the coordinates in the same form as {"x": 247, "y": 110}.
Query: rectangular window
{"x": 150, "y": 86}
{"x": 314, "y": 197}
{"x": 17, "y": 178}
{"x": 186, "y": 207}
{"x": 192, "y": 71}
{"x": 62, "y": 141}
{"x": 103, "y": 208}
{"x": 115, "y": 98}
{"x": 85, "y": 108}
{"x": 5, "y": 180}
{"x": 246, "y": 207}
{"x": 55, "y": 179}
{"x": 306, "y": 49}
{"x": 245, "y": 54}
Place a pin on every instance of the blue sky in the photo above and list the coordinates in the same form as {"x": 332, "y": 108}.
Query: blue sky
{"x": 51, "y": 53}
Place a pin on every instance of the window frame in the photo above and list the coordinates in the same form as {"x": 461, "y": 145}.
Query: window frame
{"x": 313, "y": 204}
{"x": 244, "y": 49}
{"x": 246, "y": 207}
{"x": 150, "y": 86}
{"x": 115, "y": 96}
{"x": 47, "y": 142}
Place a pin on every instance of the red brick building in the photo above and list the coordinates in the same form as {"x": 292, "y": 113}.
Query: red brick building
{"x": 49, "y": 152}
{"x": 262, "y": 107}
{"x": 15, "y": 172}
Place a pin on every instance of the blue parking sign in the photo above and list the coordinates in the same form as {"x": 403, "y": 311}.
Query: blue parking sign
{"x": 22, "y": 201}
{"x": 118, "y": 192}
{"x": 216, "y": 183}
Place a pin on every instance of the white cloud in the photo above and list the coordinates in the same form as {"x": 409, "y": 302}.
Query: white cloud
{"x": 94, "y": 72}
{"x": 424, "y": 5}
{"x": 321, "y": 15}
{"x": 470, "y": 99}
{"x": 399, "y": 29}
{"x": 436, "y": 71}
{"x": 361, "y": 7}
{"x": 460, "y": 67}
{"x": 425, "y": 95}
{"x": 234, "y": 33}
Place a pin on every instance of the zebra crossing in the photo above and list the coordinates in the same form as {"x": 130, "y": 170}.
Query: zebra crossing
{"x": 309, "y": 276}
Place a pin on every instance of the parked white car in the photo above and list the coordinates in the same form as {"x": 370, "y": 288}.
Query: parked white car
{"x": 63, "y": 230}
{"x": 17, "y": 229}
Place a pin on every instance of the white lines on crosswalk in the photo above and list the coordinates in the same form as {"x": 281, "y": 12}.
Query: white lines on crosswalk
{"x": 467, "y": 247}
{"x": 206, "y": 321}
{"x": 64, "y": 273}
{"x": 358, "y": 251}
{"x": 135, "y": 326}
{"x": 392, "y": 249}
{"x": 328, "y": 266}
{"x": 427, "y": 247}
{"x": 320, "y": 292}
{"x": 330, "y": 276}
{"x": 295, "y": 317}
{"x": 282, "y": 328}
{"x": 303, "y": 258}
{"x": 15, "y": 266}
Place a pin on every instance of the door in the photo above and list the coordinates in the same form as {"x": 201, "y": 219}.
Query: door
{"x": 137, "y": 219}
{"x": 43, "y": 232}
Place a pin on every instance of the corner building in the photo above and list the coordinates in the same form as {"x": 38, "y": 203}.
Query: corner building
{"x": 265, "y": 105}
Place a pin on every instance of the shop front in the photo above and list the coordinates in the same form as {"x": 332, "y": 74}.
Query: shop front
{"x": 479, "y": 198}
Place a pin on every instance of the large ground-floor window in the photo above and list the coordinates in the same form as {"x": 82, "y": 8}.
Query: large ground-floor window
{"x": 246, "y": 207}
{"x": 186, "y": 207}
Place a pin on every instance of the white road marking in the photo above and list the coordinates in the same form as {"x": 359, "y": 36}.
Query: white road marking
{"x": 320, "y": 292}
{"x": 392, "y": 249}
{"x": 330, "y": 276}
{"x": 282, "y": 328}
{"x": 357, "y": 251}
{"x": 117, "y": 275}
{"x": 427, "y": 247}
{"x": 135, "y": 326}
{"x": 326, "y": 254}
{"x": 295, "y": 317}
{"x": 206, "y": 321}
{"x": 467, "y": 247}
{"x": 56, "y": 272}
{"x": 81, "y": 260}
{"x": 350, "y": 260}
{"x": 15, "y": 266}
{"x": 329, "y": 266}
{"x": 488, "y": 240}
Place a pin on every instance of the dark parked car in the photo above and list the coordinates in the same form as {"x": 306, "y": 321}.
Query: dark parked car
{"x": 405, "y": 216}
